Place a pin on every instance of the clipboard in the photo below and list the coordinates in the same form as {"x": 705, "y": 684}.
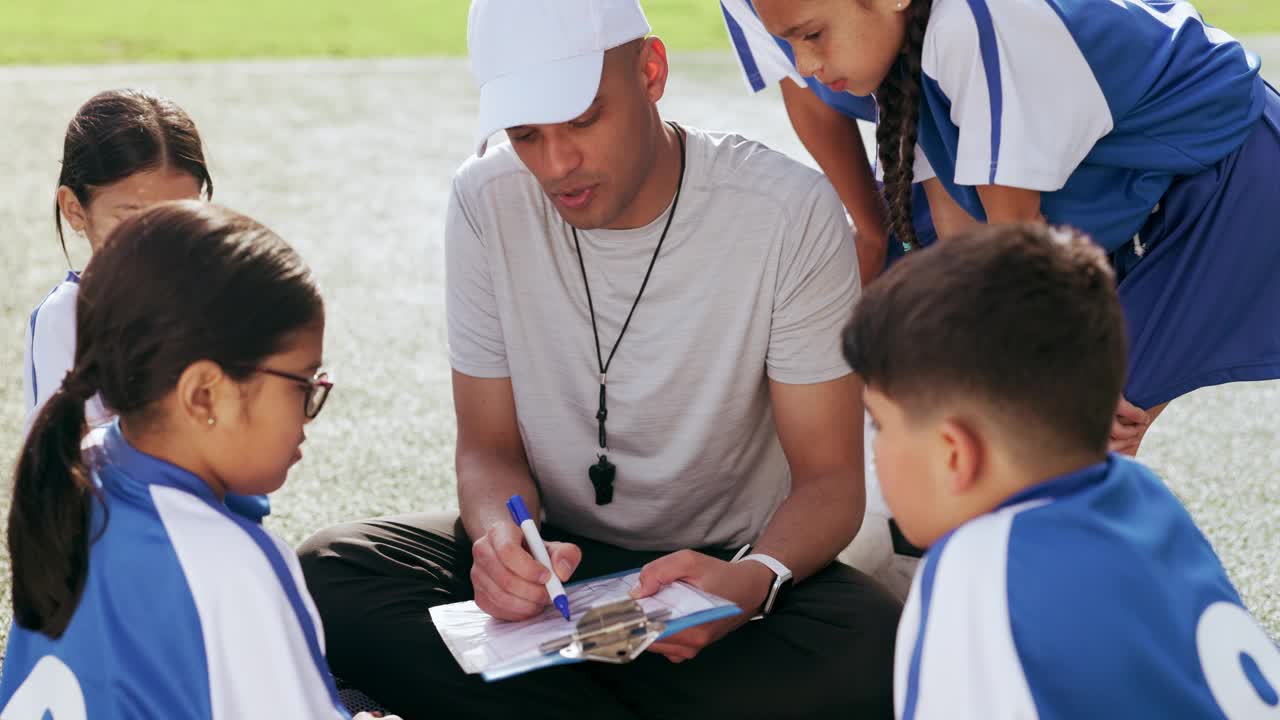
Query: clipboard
{"x": 609, "y": 627}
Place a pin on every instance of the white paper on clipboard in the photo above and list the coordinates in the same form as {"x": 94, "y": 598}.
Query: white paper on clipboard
{"x": 498, "y": 649}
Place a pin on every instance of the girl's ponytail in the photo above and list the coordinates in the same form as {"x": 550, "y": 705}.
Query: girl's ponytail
{"x": 49, "y": 517}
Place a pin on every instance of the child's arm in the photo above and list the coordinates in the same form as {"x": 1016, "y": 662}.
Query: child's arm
{"x": 949, "y": 218}
{"x": 1005, "y": 204}
{"x": 832, "y": 137}
{"x": 835, "y": 142}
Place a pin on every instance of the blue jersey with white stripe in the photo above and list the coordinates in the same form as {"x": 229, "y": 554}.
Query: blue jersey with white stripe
{"x": 189, "y": 612}
{"x": 1092, "y": 595}
{"x": 1097, "y": 104}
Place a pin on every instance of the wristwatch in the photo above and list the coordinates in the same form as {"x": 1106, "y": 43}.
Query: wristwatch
{"x": 782, "y": 579}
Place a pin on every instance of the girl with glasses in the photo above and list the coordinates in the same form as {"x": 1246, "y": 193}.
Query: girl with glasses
{"x": 136, "y": 592}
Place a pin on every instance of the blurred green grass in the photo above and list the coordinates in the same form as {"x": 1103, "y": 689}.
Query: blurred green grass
{"x": 77, "y": 32}
{"x": 1242, "y": 17}
{"x": 74, "y": 31}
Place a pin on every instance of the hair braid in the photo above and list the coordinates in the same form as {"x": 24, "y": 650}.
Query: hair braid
{"x": 899, "y": 98}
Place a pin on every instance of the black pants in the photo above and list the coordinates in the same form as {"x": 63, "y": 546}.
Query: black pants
{"x": 826, "y": 653}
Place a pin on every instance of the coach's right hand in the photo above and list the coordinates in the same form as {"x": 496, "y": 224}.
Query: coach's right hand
{"x": 509, "y": 583}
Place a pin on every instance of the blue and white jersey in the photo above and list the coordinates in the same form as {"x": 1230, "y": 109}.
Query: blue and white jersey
{"x": 189, "y": 612}
{"x": 50, "y": 352}
{"x": 1097, "y": 104}
{"x": 1092, "y": 595}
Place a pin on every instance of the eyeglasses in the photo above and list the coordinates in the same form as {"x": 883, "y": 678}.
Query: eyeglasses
{"x": 318, "y": 388}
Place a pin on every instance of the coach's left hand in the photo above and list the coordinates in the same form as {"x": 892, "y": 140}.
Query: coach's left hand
{"x": 744, "y": 584}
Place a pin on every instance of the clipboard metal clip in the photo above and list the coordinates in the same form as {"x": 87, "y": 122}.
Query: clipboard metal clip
{"x": 615, "y": 632}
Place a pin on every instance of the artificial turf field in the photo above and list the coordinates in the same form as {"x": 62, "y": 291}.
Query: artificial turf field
{"x": 351, "y": 160}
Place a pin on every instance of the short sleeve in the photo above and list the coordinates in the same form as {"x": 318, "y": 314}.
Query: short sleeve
{"x": 476, "y": 345}
{"x": 958, "y": 607}
{"x": 1024, "y": 98}
{"x": 817, "y": 285}
{"x": 922, "y": 170}
{"x": 50, "y": 348}
{"x": 762, "y": 61}
{"x": 259, "y": 644}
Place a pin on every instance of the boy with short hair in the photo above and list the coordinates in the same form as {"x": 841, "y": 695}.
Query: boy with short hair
{"x": 1060, "y": 581}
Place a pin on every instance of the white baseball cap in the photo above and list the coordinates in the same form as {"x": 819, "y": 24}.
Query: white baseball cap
{"x": 539, "y": 61}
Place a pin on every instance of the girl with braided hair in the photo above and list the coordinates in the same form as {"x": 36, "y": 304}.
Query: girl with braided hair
{"x": 1134, "y": 121}
{"x": 826, "y": 121}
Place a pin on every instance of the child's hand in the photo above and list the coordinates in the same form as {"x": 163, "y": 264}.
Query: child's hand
{"x": 1128, "y": 428}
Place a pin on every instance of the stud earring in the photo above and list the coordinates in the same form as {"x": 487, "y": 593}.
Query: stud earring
{"x": 899, "y": 4}
{"x": 212, "y": 422}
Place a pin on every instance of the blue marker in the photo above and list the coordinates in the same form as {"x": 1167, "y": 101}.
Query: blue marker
{"x": 555, "y": 590}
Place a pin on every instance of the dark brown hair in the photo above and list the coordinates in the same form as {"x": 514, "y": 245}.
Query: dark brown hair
{"x": 176, "y": 283}
{"x": 1023, "y": 319}
{"x": 119, "y": 133}
{"x": 899, "y": 101}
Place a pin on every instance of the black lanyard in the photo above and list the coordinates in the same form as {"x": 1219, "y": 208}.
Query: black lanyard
{"x": 603, "y": 472}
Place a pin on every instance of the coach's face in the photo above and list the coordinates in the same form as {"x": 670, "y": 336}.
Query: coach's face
{"x": 593, "y": 166}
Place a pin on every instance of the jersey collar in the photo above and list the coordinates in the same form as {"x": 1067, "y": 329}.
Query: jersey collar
{"x": 1064, "y": 485}
{"x": 145, "y": 469}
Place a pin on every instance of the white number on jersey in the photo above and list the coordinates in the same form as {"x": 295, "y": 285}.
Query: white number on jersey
{"x": 51, "y": 690}
{"x": 1225, "y": 636}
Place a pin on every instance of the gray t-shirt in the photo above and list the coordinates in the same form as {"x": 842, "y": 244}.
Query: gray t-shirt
{"x": 755, "y": 281}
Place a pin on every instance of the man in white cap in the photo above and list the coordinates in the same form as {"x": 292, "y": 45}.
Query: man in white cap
{"x": 644, "y": 328}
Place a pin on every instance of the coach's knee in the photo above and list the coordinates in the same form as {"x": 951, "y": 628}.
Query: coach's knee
{"x": 328, "y": 543}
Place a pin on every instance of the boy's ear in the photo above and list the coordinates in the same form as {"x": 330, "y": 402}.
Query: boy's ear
{"x": 965, "y": 455}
